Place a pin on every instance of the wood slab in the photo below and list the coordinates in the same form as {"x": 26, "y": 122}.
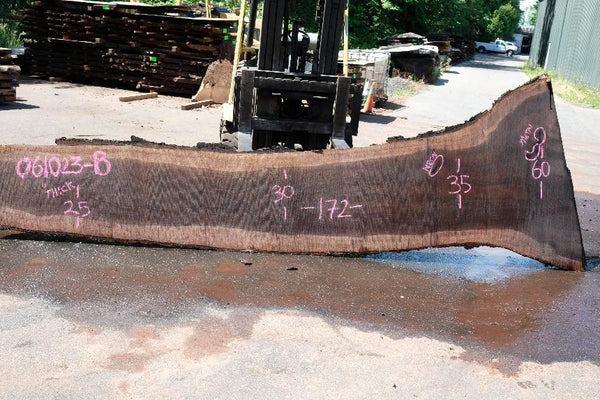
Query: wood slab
{"x": 498, "y": 180}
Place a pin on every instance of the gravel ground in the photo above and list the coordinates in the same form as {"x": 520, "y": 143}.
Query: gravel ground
{"x": 46, "y": 111}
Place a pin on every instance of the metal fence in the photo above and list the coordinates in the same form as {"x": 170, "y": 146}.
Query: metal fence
{"x": 567, "y": 39}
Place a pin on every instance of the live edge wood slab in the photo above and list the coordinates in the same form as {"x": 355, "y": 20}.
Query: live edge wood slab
{"x": 499, "y": 180}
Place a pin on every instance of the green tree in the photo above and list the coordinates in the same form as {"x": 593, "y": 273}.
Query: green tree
{"x": 371, "y": 20}
{"x": 480, "y": 14}
{"x": 363, "y": 23}
{"x": 532, "y": 14}
{"x": 10, "y": 31}
{"x": 305, "y": 12}
{"x": 477, "y": 18}
{"x": 446, "y": 16}
{"x": 8, "y": 7}
{"x": 504, "y": 22}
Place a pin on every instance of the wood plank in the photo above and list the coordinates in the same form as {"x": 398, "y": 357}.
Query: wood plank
{"x": 340, "y": 107}
{"x": 288, "y": 83}
{"x": 8, "y": 84}
{"x": 246, "y": 101}
{"x": 500, "y": 179}
{"x": 197, "y": 104}
{"x": 8, "y": 98}
{"x": 151, "y": 95}
{"x": 10, "y": 70}
{"x": 286, "y": 125}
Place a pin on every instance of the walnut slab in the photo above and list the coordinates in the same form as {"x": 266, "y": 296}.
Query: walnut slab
{"x": 500, "y": 179}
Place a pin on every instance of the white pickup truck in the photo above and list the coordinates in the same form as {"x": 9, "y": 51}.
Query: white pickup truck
{"x": 497, "y": 46}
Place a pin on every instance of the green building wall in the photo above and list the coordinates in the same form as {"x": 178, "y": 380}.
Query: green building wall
{"x": 567, "y": 39}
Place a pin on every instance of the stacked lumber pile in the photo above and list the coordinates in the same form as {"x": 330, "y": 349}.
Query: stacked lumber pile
{"x": 441, "y": 41}
{"x": 403, "y": 38}
{"x": 9, "y": 77}
{"x": 416, "y": 60}
{"x": 164, "y": 49}
{"x": 464, "y": 45}
{"x": 456, "y": 48}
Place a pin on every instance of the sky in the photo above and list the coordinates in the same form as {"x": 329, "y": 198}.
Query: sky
{"x": 526, "y": 3}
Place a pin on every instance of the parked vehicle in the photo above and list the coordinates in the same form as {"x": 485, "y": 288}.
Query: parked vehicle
{"x": 497, "y": 46}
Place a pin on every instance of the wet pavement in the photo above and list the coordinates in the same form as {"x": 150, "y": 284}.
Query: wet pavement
{"x": 489, "y": 298}
{"x": 487, "y": 307}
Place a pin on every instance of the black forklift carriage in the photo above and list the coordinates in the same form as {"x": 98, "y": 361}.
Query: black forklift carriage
{"x": 291, "y": 97}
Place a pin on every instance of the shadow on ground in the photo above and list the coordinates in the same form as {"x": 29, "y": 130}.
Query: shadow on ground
{"x": 494, "y": 303}
{"x": 17, "y": 105}
{"x": 483, "y": 61}
{"x": 377, "y": 118}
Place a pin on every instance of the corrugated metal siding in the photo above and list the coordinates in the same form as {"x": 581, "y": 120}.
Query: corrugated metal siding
{"x": 571, "y": 43}
{"x": 535, "y": 57}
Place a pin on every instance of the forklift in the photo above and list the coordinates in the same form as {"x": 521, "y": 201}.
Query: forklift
{"x": 289, "y": 95}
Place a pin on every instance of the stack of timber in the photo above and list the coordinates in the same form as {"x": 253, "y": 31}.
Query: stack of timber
{"x": 416, "y": 60}
{"x": 452, "y": 49}
{"x": 412, "y": 55}
{"x": 441, "y": 40}
{"x": 403, "y": 38}
{"x": 164, "y": 49}
{"x": 465, "y": 46}
{"x": 9, "y": 77}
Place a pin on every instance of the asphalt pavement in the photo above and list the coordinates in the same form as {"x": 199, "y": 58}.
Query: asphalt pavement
{"x": 96, "y": 320}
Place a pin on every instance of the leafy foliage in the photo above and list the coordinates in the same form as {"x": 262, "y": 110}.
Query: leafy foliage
{"x": 9, "y": 36}
{"x": 8, "y": 7}
{"x": 532, "y": 14}
{"x": 504, "y": 22}
{"x": 572, "y": 91}
{"x": 305, "y": 12}
{"x": 372, "y": 20}
{"x": 10, "y": 32}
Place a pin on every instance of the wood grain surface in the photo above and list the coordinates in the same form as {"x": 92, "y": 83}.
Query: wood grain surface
{"x": 499, "y": 180}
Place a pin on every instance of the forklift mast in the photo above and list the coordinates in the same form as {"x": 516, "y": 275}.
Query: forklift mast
{"x": 279, "y": 102}
{"x": 274, "y": 39}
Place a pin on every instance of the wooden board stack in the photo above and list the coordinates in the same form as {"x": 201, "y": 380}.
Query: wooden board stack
{"x": 9, "y": 77}
{"x": 162, "y": 49}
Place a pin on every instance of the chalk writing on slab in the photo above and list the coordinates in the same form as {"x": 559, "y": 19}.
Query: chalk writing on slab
{"x": 46, "y": 167}
{"x": 282, "y": 193}
{"x": 76, "y": 208}
{"x": 459, "y": 184}
{"x": 324, "y": 208}
{"x": 58, "y": 191}
{"x": 434, "y": 164}
{"x": 332, "y": 208}
{"x": 540, "y": 168}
